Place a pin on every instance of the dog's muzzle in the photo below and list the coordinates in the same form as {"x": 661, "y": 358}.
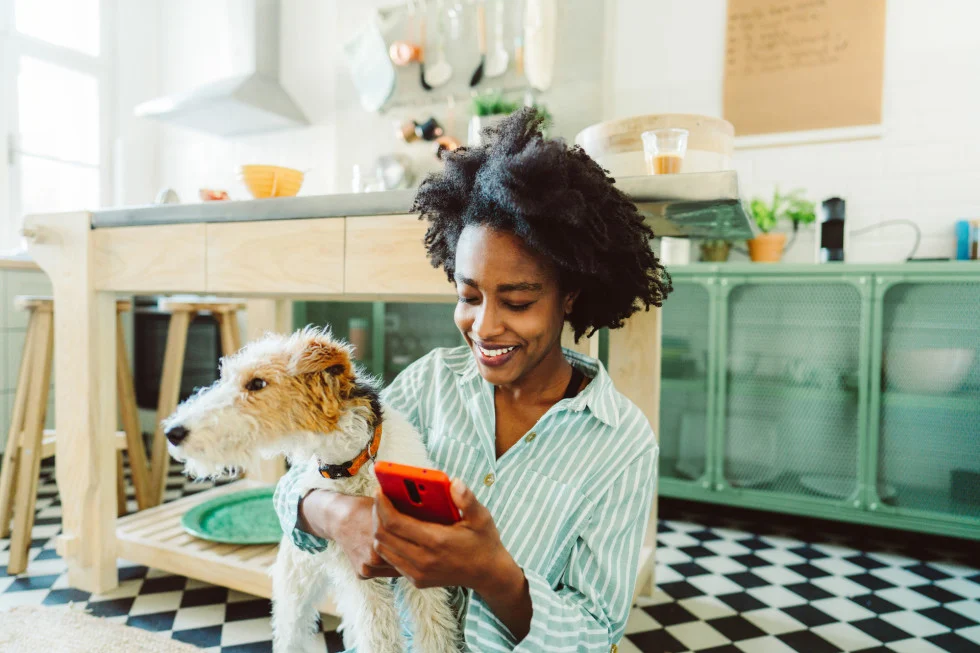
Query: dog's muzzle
{"x": 177, "y": 434}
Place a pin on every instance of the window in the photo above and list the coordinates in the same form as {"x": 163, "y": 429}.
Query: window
{"x": 54, "y": 74}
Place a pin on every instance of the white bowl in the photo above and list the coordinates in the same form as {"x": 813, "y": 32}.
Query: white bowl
{"x": 928, "y": 370}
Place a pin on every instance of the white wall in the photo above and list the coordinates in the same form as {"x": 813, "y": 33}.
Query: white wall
{"x": 667, "y": 57}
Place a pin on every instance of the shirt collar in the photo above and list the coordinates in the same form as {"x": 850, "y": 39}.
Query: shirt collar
{"x": 599, "y": 396}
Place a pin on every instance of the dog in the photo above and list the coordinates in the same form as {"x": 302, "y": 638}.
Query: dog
{"x": 300, "y": 395}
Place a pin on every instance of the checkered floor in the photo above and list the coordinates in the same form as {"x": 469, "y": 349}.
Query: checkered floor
{"x": 726, "y": 585}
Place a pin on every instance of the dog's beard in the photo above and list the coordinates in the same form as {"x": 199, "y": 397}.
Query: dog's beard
{"x": 213, "y": 467}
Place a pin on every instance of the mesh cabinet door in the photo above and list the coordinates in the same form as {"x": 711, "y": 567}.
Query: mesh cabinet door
{"x": 929, "y": 410}
{"x": 684, "y": 409}
{"x": 791, "y": 390}
{"x": 413, "y": 330}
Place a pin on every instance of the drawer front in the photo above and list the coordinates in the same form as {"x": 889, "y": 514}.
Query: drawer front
{"x": 149, "y": 259}
{"x": 302, "y": 257}
{"x": 385, "y": 255}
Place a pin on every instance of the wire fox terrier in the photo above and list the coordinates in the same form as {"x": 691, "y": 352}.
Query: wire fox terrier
{"x": 299, "y": 395}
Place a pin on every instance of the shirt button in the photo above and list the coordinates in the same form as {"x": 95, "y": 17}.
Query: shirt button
{"x": 530, "y": 436}
{"x": 489, "y": 479}
{"x": 613, "y": 649}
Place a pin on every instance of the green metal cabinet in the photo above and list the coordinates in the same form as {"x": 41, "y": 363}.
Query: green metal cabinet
{"x": 399, "y": 333}
{"x": 848, "y": 392}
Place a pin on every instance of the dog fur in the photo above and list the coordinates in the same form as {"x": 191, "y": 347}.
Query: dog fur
{"x": 313, "y": 404}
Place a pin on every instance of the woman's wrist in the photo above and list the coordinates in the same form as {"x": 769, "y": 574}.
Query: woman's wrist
{"x": 503, "y": 581}
{"x": 314, "y": 513}
{"x": 505, "y": 590}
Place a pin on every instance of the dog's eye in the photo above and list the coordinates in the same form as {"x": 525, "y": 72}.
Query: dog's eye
{"x": 255, "y": 385}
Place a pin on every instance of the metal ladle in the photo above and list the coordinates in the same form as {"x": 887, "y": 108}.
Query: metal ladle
{"x": 439, "y": 71}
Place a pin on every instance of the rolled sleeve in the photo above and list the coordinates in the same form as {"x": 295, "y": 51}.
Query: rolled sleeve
{"x": 289, "y": 492}
{"x": 586, "y": 611}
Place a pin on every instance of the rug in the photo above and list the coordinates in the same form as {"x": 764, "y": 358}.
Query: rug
{"x": 28, "y": 629}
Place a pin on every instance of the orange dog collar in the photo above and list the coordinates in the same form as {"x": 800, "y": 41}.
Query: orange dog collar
{"x": 351, "y": 467}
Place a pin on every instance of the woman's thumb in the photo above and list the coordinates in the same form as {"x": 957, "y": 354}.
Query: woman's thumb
{"x": 461, "y": 494}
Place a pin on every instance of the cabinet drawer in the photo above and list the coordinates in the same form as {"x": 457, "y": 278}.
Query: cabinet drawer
{"x": 149, "y": 259}
{"x": 281, "y": 256}
{"x": 385, "y": 255}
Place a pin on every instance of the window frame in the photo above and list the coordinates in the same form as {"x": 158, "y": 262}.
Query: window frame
{"x": 14, "y": 45}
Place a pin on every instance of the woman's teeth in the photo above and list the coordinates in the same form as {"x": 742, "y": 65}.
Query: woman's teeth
{"x": 493, "y": 353}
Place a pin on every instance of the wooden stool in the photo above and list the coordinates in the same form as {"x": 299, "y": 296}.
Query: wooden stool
{"x": 28, "y": 442}
{"x": 181, "y": 315}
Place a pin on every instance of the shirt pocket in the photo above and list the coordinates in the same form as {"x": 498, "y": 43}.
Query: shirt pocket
{"x": 540, "y": 520}
{"x": 455, "y": 457}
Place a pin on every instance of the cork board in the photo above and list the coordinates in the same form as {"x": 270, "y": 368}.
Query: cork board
{"x": 797, "y": 65}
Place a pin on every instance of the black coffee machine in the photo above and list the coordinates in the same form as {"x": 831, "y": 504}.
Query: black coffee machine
{"x": 830, "y": 243}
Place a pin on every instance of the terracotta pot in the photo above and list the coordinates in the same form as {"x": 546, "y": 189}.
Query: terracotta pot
{"x": 767, "y": 248}
{"x": 715, "y": 252}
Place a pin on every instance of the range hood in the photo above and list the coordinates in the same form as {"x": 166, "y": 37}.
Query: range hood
{"x": 245, "y": 104}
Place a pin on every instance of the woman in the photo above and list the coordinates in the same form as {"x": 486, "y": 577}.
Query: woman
{"x": 562, "y": 467}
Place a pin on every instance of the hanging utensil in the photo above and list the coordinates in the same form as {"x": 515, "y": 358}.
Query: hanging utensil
{"x": 370, "y": 68}
{"x": 498, "y": 58}
{"x": 519, "y": 40}
{"x": 406, "y": 51}
{"x": 455, "y": 20}
{"x": 422, "y": 82}
{"x": 481, "y": 15}
{"x": 540, "y": 27}
{"x": 439, "y": 71}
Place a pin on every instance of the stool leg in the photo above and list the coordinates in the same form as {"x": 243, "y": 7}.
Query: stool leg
{"x": 11, "y": 454}
{"x": 231, "y": 339}
{"x": 120, "y": 486}
{"x": 173, "y": 364}
{"x": 131, "y": 423}
{"x": 29, "y": 468}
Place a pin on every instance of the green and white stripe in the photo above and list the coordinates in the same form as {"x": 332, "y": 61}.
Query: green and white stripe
{"x": 571, "y": 501}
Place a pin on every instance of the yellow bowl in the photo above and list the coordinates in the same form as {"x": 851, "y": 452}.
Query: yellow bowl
{"x": 271, "y": 181}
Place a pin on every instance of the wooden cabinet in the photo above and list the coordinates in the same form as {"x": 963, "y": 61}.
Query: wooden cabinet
{"x": 162, "y": 258}
{"x": 385, "y": 256}
{"x": 281, "y": 256}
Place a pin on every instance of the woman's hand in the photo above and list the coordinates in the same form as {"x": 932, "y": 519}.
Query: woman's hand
{"x": 469, "y": 554}
{"x": 348, "y": 522}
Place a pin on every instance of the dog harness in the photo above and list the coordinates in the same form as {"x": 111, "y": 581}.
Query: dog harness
{"x": 351, "y": 467}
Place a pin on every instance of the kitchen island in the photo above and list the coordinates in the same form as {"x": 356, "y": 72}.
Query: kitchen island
{"x": 334, "y": 247}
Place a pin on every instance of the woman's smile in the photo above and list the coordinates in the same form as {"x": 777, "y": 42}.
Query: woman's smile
{"x": 494, "y": 355}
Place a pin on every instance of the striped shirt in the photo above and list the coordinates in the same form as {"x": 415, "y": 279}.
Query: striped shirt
{"x": 571, "y": 499}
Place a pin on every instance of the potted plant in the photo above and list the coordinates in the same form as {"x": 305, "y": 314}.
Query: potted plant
{"x": 768, "y": 247}
{"x": 488, "y": 109}
{"x": 715, "y": 251}
{"x": 491, "y": 108}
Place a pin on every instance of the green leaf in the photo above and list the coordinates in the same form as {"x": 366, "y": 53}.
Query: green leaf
{"x": 763, "y": 214}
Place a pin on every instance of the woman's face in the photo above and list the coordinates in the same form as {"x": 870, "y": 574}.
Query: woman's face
{"x": 511, "y": 310}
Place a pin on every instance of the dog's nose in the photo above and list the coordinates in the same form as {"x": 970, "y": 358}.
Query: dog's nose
{"x": 177, "y": 434}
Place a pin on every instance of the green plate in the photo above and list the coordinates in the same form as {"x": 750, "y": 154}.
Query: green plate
{"x": 246, "y": 517}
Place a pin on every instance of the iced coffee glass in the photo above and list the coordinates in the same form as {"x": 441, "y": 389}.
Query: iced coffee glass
{"x": 664, "y": 150}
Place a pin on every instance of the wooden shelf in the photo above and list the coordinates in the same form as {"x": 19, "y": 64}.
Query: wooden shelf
{"x": 155, "y": 538}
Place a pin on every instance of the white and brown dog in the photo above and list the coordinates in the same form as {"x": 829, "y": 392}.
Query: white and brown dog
{"x": 299, "y": 395}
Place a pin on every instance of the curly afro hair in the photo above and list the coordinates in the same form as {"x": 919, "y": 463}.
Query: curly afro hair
{"x": 562, "y": 204}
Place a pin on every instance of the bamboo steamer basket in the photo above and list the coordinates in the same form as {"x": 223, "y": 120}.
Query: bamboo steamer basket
{"x": 616, "y": 144}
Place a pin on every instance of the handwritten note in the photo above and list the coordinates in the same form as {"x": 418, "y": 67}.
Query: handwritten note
{"x": 795, "y": 65}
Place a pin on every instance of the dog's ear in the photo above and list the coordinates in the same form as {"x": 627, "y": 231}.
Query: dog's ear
{"x": 320, "y": 356}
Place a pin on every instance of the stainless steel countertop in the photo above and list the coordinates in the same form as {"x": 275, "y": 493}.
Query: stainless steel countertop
{"x": 701, "y": 205}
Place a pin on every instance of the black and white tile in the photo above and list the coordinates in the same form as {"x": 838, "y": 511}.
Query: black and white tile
{"x": 730, "y": 585}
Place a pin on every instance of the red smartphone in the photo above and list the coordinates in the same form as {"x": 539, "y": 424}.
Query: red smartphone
{"x": 418, "y": 492}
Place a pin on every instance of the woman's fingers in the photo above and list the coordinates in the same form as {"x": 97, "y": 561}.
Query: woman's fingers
{"x": 388, "y": 519}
